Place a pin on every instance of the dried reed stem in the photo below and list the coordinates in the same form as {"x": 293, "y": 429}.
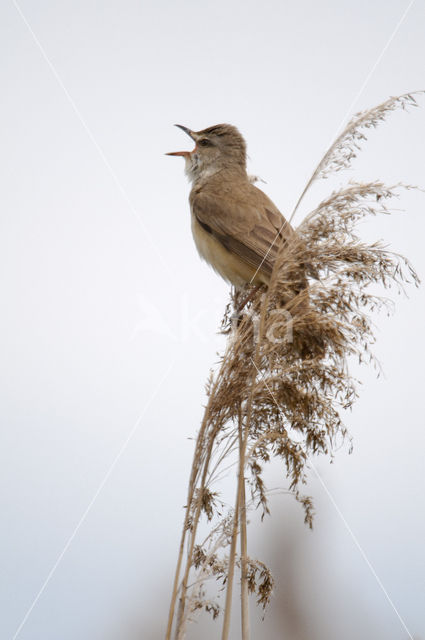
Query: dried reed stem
{"x": 231, "y": 571}
{"x": 240, "y": 512}
{"x": 191, "y": 491}
{"x": 243, "y": 536}
{"x": 196, "y": 518}
{"x": 283, "y": 380}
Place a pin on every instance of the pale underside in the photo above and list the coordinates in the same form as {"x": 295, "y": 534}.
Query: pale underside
{"x": 228, "y": 265}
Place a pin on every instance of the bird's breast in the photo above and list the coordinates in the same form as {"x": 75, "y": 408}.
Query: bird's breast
{"x": 227, "y": 264}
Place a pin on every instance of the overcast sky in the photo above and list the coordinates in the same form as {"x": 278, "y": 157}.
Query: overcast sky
{"x": 109, "y": 319}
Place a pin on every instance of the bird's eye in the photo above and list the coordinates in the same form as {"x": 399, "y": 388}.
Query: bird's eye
{"x": 204, "y": 142}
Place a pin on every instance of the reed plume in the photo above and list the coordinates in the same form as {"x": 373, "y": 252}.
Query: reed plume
{"x": 283, "y": 380}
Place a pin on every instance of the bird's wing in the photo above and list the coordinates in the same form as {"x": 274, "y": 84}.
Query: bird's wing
{"x": 245, "y": 221}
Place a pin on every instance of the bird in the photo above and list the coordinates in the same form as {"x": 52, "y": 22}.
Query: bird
{"x": 237, "y": 229}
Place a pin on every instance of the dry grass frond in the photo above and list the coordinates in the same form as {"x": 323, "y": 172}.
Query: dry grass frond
{"x": 283, "y": 382}
{"x": 348, "y": 143}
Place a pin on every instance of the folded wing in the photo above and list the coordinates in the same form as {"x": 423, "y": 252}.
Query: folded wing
{"x": 246, "y": 222}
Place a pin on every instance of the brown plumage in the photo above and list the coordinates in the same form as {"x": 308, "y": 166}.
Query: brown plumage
{"x": 237, "y": 229}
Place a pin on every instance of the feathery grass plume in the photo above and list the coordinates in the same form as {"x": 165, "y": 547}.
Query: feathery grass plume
{"x": 283, "y": 380}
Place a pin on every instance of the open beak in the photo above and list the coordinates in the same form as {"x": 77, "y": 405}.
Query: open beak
{"x": 182, "y": 153}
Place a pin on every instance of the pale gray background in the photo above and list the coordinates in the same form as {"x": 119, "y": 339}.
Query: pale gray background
{"x": 92, "y": 318}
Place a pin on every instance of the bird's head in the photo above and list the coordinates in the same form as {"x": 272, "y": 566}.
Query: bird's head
{"x": 216, "y": 148}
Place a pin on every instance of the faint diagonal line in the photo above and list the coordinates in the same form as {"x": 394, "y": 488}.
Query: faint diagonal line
{"x": 350, "y": 108}
{"x": 94, "y": 141}
{"x": 356, "y": 542}
{"x": 357, "y": 97}
{"x": 93, "y": 500}
{"x": 372, "y": 70}
{"x": 268, "y": 251}
{"x": 338, "y": 510}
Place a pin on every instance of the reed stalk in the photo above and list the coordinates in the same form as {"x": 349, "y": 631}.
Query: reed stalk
{"x": 283, "y": 383}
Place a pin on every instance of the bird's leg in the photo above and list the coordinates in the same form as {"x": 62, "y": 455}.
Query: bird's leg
{"x": 239, "y": 305}
{"x": 250, "y": 295}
